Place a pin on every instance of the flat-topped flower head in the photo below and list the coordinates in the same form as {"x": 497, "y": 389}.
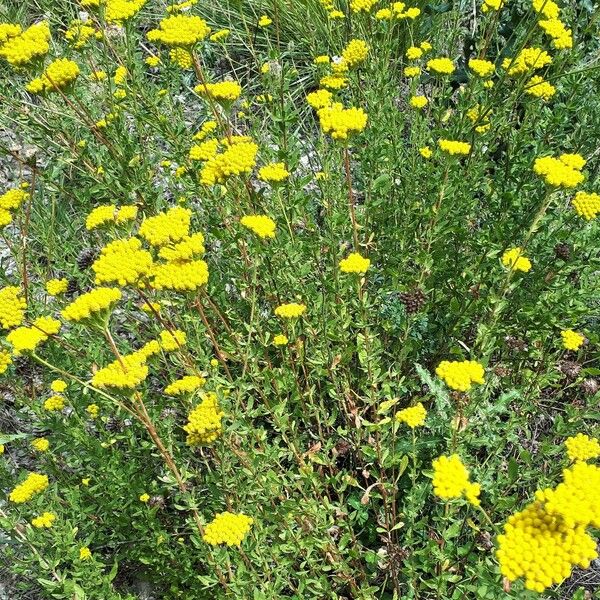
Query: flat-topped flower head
{"x": 586, "y": 205}
{"x": 185, "y": 385}
{"x": 164, "y": 228}
{"x": 319, "y": 99}
{"x": 180, "y": 31}
{"x": 528, "y": 59}
{"x": 262, "y": 225}
{"x": 57, "y": 76}
{"x": 354, "y": 263}
{"x": 491, "y": 5}
{"x": 227, "y": 528}
{"x": 418, "y": 102}
{"x": 56, "y": 287}
{"x": 451, "y": 480}
{"x": 482, "y": 68}
{"x": 291, "y": 310}
{"x": 22, "y": 48}
{"x": 44, "y": 521}
{"x": 441, "y": 66}
{"x": 273, "y": 173}
{"x": 120, "y": 11}
{"x": 413, "y": 416}
{"x": 538, "y": 87}
{"x": 237, "y": 159}
{"x": 12, "y": 307}
{"x": 204, "y": 422}
{"x": 514, "y": 259}
{"x": 97, "y": 301}
{"x": 454, "y": 148}
{"x": 224, "y": 92}
{"x": 460, "y": 375}
{"x": 582, "y": 447}
{"x": 34, "y": 484}
{"x": 123, "y": 262}
{"x": 572, "y": 340}
{"x": 355, "y": 53}
{"x": 564, "y": 171}
{"x": 342, "y": 122}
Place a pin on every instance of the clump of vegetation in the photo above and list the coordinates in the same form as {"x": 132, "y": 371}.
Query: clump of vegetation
{"x": 299, "y": 300}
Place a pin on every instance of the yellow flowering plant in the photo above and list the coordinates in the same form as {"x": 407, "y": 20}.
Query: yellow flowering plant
{"x": 299, "y": 300}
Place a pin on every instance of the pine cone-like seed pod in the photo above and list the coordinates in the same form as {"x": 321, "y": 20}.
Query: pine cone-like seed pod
{"x": 157, "y": 502}
{"x": 86, "y": 257}
{"x": 569, "y": 368}
{"x": 590, "y": 386}
{"x": 72, "y": 287}
{"x": 563, "y": 251}
{"x": 413, "y": 300}
{"x": 114, "y": 425}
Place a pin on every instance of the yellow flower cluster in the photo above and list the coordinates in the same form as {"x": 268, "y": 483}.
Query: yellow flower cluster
{"x": 261, "y": 225}
{"x": 34, "y": 484}
{"x": 54, "y": 403}
{"x": 460, "y": 375}
{"x": 564, "y": 171}
{"x": 10, "y": 200}
{"x": 58, "y": 385}
{"x": 357, "y": 6}
{"x": 180, "y": 276}
{"x": 418, "y": 101}
{"x": 482, "y": 68}
{"x": 5, "y": 361}
{"x": 586, "y": 205}
{"x": 571, "y": 339}
{"x": 109, "y": 213}
{"x": 85, "y": 553}
{"x": 27, "y": 339}
{"x": 181, "y": 6}
{"x": 119, "y": 11}
{"x": 544, "y": 541}
{"x": 451, "y": 480}
{"x": 44, "y": 521}
{"x": 529, "y": 59}
{"x": 204, "y": 422}
{"x": 205, "y": 150}
{"x": 453, "y": 147}
{"x": 562, "y": 38}
{"x": 264, "y": 21}
{"x": 172, "y": 340}
{"x": 91, "y": 303}
{"x": 126, "y": 373}
{"x": 170, "y": 226}
{"x": 291, "y": 310}
{"x": 514, "y": 259}
{"x": 55, "y": 287}
{"x": 319, "y": 98}
{"x": 443, "y": 66}
{"x": 223, "y": 91}
{"x": 41, "y": 444}
{"x": 93, "y": 410}
{"x": 58, "y": 74}
{"x": 398, "y": 10}
{"x": 180, "y": 30}
{"x": 354, "y": 263}
{"x": 237, "y": 159}
{"x": 220, "y": 35}
{"x": 227, "y": 528}
{"x": 274, "y": 172}
{"x": 413, "y": 416}
{"x": 280, "y": 340}
{"x": 492, "y": 5}
{"x": 540, "y": 88}
{"x": 78, "y": 34}
{"x": 355, "y": 53}
{"x": 8, "y": 30}
{"x": 207, "y": 128}
{"x": 341, "y": 122}
{"x": 475, "y": 116}
{"x": 333, "y": 82}
{"x": 123, "y": 262}
{"x": 34, "y": 42}
{"x": 12, "y": 307}
{"x": 186, "y": 249}
{"x": 185, "y": 385}
{"x": 582, "y": 447}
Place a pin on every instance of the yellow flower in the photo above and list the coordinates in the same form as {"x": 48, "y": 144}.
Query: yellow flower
{"x": 460, "y": 375}
{"x": 563, "y": 171}
{"x": 451, "y": 480}
{"x": 319, "y": 98}
{"x": 443, "y": 66}
{"x": 41, "y": 444}
{"x": 261, "y": 225}
{"x": 291, "y": 310}
{"x": 45, "y": 520}
{"x": 34, "y": 484}
{"x": 413, "y": 416}
{"x": 93, "y": 410}
{"x": 355, "y": 53}
{"x": 453, "y": 147}
{"x": 238, "y": 159}
{"x": 185, "y": 385}
{"x": 152, "y": 61}
{"x": 582, "y": 447}
{"x": 55, "y": 287}
{"x": 342, "y": 122}
{"x": 20, "y": 49}
{"x": 85, "y": 553}
{"x": 571, "y": 339}
{"x": 483, "y": 68}
{"x": 273, "y": 173}
{"x": 220, "y": 36}
{"x": 99, "y": 300}
{"x": 12, "y": 307}
{"x": 204, "y": 422}
{"x": 227, "y": 528}
{"x": 425, "y": 152}
{"x": 586, "y": 205}
{"x": 58, "y": 386}
{"x": 119, "y": 11}
{"x": 514, "y": 259}
{"x": 170, "y": 226}
{"x": 354, "y": 263}
{"x": 412, "y": 71}
{"x": 54, "y": 403}
{"x": 144, "y": 498}
{"x": 280, "y": 340}
{"x": 418, "y": 102}
{"x": 540, "y": 88}
{"x": 264, "y": 21}
{"x": 180, "y": 31}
